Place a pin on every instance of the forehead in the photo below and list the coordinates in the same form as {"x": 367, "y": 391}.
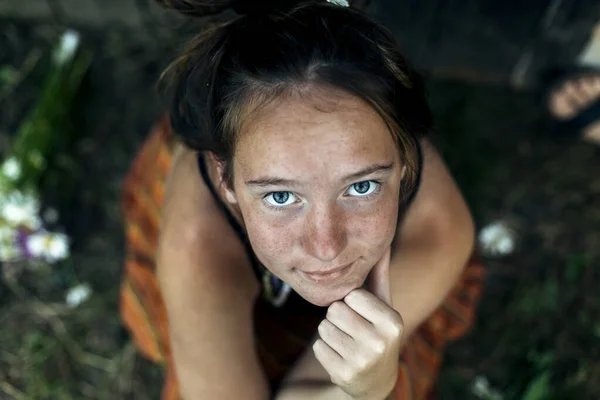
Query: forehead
{"x": 300, "y": 135}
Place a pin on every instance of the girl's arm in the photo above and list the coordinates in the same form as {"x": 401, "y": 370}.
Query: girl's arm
{"x": 209, "y": 291}
{"x": 434, "y": 243}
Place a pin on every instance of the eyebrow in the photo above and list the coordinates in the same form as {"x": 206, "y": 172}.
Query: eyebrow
{"x": 276, "y": 181}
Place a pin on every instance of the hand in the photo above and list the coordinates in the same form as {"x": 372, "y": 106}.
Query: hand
{"x": 360, "y": 339}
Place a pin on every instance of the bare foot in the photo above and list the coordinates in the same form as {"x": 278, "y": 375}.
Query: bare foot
{"x": 575, "y": 96}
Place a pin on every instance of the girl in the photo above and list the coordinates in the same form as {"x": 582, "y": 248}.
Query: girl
{"x": 311, "y": 242}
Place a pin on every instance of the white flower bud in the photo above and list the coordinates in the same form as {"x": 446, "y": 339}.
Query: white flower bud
{"x": 11, "y": 169}
{"x": 69, "y": 42}
{"x": 497, "y": 239}
{"x": 78, "y": 294}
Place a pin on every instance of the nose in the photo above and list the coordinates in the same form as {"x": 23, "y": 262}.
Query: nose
{"x": 325, "y": 235}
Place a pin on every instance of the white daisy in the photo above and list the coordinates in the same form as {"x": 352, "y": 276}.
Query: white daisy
{"x": 49, "y": 246}
{"x": 78, "y": 294}
{"x": 18, "y": 208}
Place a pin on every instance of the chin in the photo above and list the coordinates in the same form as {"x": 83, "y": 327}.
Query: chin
{"x": 322, "y": 295}
{"x": 324, "y": 298}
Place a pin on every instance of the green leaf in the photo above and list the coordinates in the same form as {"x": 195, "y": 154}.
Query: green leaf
{"x": 539, "y": 388}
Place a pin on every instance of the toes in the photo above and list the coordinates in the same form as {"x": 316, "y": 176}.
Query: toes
{"x": 595, "y": 85}
{"x": 573, "y": 90}
{"x": 587, "y": 88}
{"x": 592, "y": 133}
{"x": 573, "y": 96}
{"x": 560, "y": 105}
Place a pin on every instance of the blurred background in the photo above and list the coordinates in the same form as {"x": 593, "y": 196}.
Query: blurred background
{"x": 77, "y": 99}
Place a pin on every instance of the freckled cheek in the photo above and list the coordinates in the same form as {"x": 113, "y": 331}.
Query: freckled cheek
{"x": 377, "y": 228}
{"x": 272, "y": 244}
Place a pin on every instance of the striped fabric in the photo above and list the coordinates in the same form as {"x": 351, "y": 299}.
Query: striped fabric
{"x": 282, "y": 333}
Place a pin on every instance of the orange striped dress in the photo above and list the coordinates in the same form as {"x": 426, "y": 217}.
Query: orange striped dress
{"x": 282, "y": 333}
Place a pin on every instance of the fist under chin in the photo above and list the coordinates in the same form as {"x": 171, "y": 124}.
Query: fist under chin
{"x": 325, "y": 297}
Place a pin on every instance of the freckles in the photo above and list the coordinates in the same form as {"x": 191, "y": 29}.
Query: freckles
{"x": 380, "y": 224}
{"x": 268, "y": 240}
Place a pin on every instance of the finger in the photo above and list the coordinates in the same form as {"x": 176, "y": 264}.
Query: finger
{"x": 379, "y": 279}
{"x": 338, "y": 340}
{"x": 349, "y": 321}
{"x": 374, "y": 310}
{"x": 329, "y": 358}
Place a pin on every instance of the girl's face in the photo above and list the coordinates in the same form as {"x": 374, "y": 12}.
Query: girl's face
{"x": 317, "y": 181}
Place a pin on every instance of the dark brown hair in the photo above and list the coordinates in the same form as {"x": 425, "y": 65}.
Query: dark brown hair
{"x": 280, "y": 47}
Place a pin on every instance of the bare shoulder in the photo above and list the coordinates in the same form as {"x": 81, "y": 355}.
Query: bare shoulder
{"x": 195, "y": 234}
{"x": 438, "y": 206}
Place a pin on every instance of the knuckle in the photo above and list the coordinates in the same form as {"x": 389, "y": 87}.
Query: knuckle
{"x": 362, "y": 363}
{"x": 330, "y": 313}
{"x": 320, "y": 329}
{"x": 334, "y": 308}
{"x": 396, "y": 324}
{"x": 346, "y": 376}
{"x": 355, "y": 295}
{"x": 317, "y": 345}
{"x": 338, "y": 378}
{"x": 324, "y": 326}
{"x": 379, "y": 347}
{"x": 351, "y": 296}
{"x": 339, "y": 381}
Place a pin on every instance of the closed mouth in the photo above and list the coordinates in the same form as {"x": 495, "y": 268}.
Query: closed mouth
{"x": 327, "y": 276}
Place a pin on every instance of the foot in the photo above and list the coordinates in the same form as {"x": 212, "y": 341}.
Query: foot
{"x": 575, "y": 96}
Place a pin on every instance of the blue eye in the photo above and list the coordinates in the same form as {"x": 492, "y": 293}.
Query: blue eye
{"x": 364, "y": 188}
{"x": 280, "y": 199}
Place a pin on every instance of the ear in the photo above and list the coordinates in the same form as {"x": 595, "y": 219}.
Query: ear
{"x": 403, "y": 172}
{"x": 229, "y": 194}
{"x": 223, "y": 185}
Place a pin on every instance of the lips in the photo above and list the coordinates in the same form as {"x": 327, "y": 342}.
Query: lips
{"x": 327, "y": 276}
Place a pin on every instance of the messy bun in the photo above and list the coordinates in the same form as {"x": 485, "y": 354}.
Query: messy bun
{"x": 251, "y": 60}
